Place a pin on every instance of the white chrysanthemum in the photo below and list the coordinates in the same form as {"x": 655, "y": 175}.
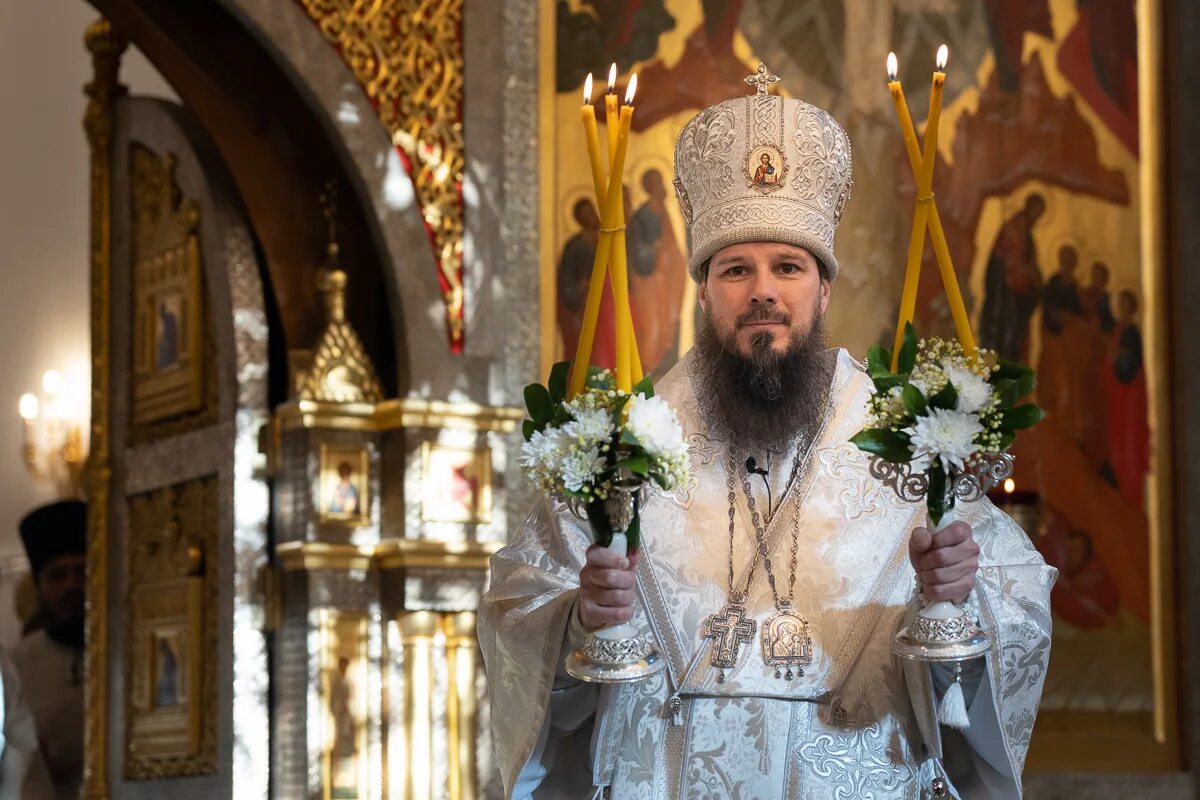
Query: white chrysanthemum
{"x": 543, "y": 450}
{"x": 949, "y": 435}
{"x": 579, "y": 467}
{"x": 654, "y": 424}
{"x": 591, "y": 426}
{"x": 973, "y": 391}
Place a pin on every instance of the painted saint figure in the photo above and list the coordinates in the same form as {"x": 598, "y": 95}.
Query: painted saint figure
{"x": 1013, "y": 284}
{"x": 765, "y": 175}
{"x": 345, "y": 494}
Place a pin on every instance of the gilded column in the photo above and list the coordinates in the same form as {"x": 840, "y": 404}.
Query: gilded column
{"x": 106, "y": 46}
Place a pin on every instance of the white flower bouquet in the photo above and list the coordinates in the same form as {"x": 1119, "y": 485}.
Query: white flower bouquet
{"x": 579, "y": 449}
{"x": 941, "y": 411}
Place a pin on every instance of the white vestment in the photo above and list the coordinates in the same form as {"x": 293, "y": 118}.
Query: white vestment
{"x": 52, "y": 680}
{"x": 858, "y": 724}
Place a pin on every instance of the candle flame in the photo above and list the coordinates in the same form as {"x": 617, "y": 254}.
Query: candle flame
{"x": 1010, "y": 486}
{"x": 587, "y": 90}
{"x": 893, "y": 68}
{"x": 631, "y": 90}
{"x": 943, "y": 55}
{"x": 612, "y": 78}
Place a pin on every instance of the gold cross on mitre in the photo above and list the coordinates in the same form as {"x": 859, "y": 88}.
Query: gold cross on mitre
{"x": 761, "y": 79}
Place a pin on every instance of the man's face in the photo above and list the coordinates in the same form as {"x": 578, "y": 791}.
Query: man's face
{"x": 762, "y": 289}
{"x": 61, "y": 585}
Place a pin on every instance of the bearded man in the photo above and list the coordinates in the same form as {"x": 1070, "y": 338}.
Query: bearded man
{"x": 782, "y": 525}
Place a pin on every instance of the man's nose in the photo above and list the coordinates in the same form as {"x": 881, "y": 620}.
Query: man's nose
{"x": 765, "y": 289}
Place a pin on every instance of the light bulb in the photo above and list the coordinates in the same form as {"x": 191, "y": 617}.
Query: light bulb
{"x": 28, "y": 407}
{"x": 52, "y": 382}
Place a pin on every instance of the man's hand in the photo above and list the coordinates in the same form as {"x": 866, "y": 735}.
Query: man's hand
{"x": 606, "y": 588}
{"x": 945, "y": 562}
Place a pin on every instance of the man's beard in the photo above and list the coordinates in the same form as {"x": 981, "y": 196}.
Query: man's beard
{"x": 766, "y": 399}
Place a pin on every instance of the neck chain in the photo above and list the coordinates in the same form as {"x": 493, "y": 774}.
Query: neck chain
{"x": 785, "y": 639}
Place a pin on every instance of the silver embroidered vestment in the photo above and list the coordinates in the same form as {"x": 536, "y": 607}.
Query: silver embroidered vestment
{"x": 856, "y": 724}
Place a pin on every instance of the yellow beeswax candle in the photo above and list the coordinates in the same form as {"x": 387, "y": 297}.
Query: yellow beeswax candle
{"x": 611, "y": 126}
{"x": 588, "y": 115}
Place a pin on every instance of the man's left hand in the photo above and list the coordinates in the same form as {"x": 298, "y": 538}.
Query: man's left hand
{"x": 945, "y": 562}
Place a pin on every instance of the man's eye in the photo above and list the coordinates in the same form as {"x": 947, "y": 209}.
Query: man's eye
{"x": 789, "y": 269}
{"x": 736, "y": 271}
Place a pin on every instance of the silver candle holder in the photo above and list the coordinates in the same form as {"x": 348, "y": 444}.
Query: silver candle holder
{"x": 943, "y": 631}
{"x": 618, "y": 653}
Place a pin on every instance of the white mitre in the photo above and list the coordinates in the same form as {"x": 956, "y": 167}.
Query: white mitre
{"x": 762, "y": 168}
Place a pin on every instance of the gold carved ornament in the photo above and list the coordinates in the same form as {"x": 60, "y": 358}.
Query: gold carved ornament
{"x": 339, "y": 370}
{"x": 171, "y": 656}
{"x": 408, "y": 57}
{"x": 172, "y": 386}
{"x": 106, "y": 46}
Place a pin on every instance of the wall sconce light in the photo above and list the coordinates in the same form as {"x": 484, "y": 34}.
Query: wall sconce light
{"x": 52, "y": 432}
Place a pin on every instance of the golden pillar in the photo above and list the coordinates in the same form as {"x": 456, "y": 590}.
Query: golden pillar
{"x": 106, "y": 46}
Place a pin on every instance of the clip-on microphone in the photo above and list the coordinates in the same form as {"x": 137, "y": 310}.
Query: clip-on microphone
{"x": 752, "y": 468}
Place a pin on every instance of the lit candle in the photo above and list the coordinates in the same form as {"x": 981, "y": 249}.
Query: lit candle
{"x": 610, "y": 113}
{"x": 591, "y": 308}
{"x": 29, "y": 408}
{"x": 620, "y": 273}
{"x": 916, "y": 242}
{"x": 588, "y": 115}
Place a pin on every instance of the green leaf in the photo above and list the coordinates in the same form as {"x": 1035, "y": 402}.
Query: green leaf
{"x": 914, "y": 401}
{"x": 558, "y": 381}
{"x": 1026, "y": 384}
{"x": 627, "y": 437}
{"x": 1006, "y": 440}
{"x": 528, "y": 428}
{"x": 1022, "y": 417}
{"x": 908, "y": 351}
{"x": 879, "y": 360}
{"x": 889, "y": 445}
{"x": 645, "y": 386}
{"x": 946, "y": 399}
{"x": 886, "y": 381}
{"x": 638, "y": 465}
{"x": 537, "y": 400}
{"x": 633, "y": 534}
{"x": 1010, "y": 370}
{"x": 1009, "y": 392}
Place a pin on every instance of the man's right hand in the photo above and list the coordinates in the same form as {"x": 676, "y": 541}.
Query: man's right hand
{"x": 606, "y": 588}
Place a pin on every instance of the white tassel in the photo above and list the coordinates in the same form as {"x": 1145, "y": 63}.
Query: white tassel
{"x": 953, "y": 712}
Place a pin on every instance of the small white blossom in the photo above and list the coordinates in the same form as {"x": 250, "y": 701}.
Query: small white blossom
{"x": 543, "y": 450}
{"x": 654, "y": 424}
{"x": 973, "y": 391}
{"x": 579, "y": 467}
{"x": 893, "y": 403}
{"x": 948, "y": 435}
{"x": 591, "y": 426}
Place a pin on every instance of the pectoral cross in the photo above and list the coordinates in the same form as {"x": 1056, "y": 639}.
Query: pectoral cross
{"x": 729, "y": 629}
{"x": 761, "y": 79}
